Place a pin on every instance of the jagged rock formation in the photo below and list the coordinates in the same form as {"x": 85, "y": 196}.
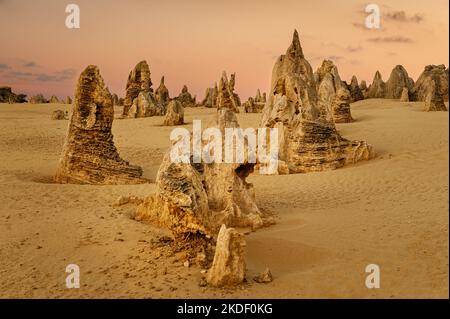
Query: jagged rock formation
{"x": 89, "y": 155}
{"x": 175, "y": 114}
{"x": 432, "y": 88}
{"x": 355, "y": 90}
{"x": 405, "y": 95}
{"x": 54, "y": 100}
{"x": 7, "y": 96}
{"x": 260, "y": 98}
{"x": 234, "y": 96}
{"x": 68, "y": 100}
{"x": 333, "y": 93}
{"x": 398, "y": 80}
{"x": 138, "y": 81}
{"x": 308, "y": 139}
{"x": 185, "y": 98}
{"x": 228, "y": 268}
{"x": 363, "y": 87}
{"x": 162, "y": 94}
{"x": 38, "y": 99}
{"x": 377, "y": 90}
{"x": 341, "y": 106}
{"x": 115, "y": 99}
{"x": 210, "y": 99}
{"x": 58, "y": 115}
{"x": 197, "y": 198}
{"x": 251, "y": 106}
{"x": 226, "y": 98}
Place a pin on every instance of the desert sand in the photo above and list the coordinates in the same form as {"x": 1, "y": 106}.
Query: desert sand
{"x": 391, "y": 211}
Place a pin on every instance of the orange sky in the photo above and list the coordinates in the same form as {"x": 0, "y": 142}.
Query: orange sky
{"x": 192, "y": 41}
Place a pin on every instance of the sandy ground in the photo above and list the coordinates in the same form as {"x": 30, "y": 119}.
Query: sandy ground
{"x": 391, "y": 211}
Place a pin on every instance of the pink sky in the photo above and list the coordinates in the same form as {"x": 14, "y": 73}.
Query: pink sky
{"x": 192, "y": 41}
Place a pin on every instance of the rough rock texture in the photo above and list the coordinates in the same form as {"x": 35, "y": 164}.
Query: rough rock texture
{"x": 38, "y": 99}
{"x": 115, "y": 99}
{"x": 398, "y": 80}
{"x": 234, "y": 96}
{"x": 7, "y": 96}
{"x": 355, "y": 90}
{"x": 308, "y": 139}
{"x": 175, "y": 114}
{"x": 54, "y": 99}
{"x": 251, "y": 106}
{"x": 228, "y": 268}
{"x": 405, "y": 95}
{"x": 264, "y": 277}
{"x": 341, "y": 106}
{"x": 226, "y": 98}
{"x": 333, "y": 93}
{"x": 162, "y": 94}
{"x": 138, "y": 81}
{"x": 377, "y": 90}
{"x": 185, "y": 98}
{"x": 89, "y": 155}
{"x": 197, "y": 198}
{"x": 145, "y": 105}
{"x": 260, "y": 98}
{"x": 58, "y": 115}
{"x": 432, "y": 88}
{"x": 210, "y": 99}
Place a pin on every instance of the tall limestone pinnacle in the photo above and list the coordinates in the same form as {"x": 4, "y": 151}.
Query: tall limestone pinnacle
{"x": 89, "y": 155}
{"x": 307, "y": 135}
{"x": 139, "y": 80}
{"x": 295, "y": 49}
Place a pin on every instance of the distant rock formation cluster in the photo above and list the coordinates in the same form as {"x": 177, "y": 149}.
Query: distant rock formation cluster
{"x": 185, "y": 98}
{"x": 210, "y": 99}
{"x": 431, "y": 87}
{"x": 89, "y": 155}
{"x": 356, "y": 92}
{"x": 256, "y": 104}
{"x": 38, "y": 99}
{"x": 308, "y": 139}
{"x": 333, "y": 93}
{"x": 7, "y": 96}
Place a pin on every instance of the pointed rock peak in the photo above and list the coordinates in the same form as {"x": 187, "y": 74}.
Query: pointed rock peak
{"x": 354, "y": 80}
{"x": 295, "y": 50}
{"x": 377, "y": 75}
{"x": 162, "y": 80}
{"x": 185, "y": 89}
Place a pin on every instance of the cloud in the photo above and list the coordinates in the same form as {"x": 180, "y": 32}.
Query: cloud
{"x": 401, "y": 16}
{"x": 353, "y": 49}
{"x": 57, "y": 76}
{"x": 30, "y": 64}
{"x": 391, "y": 39}
{"x": 3, "y": 66}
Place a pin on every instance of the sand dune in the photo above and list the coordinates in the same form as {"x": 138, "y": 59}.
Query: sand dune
{"x": 391, "y": 211}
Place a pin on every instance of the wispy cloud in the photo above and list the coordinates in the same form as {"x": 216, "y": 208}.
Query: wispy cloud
{"x": 3, "y": 66}
{"x": 57, "y": 76}
{"x": 30, "y": 64}
{"x": 353, "y": 49}
{"x": 402, "y": 16}
{"x": 391, "y": 39}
